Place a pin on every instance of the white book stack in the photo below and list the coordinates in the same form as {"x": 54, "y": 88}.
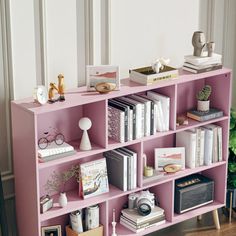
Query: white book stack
{"x": 202, "y": 64}
{"x": 203, "y": 146}
{"x": 131, "y": 219}
{"x": 54, "y": 151}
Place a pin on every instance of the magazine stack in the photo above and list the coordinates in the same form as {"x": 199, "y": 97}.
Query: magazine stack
{"x": 202, "y": 64}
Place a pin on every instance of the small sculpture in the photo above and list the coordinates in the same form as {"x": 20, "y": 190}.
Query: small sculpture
{"x": 210, "y": 48}
{"x": 159, "y": 64}
{"x": 51, "y": 93}
{"x": 199, "y": 42}
{"x": 60, "y": 89}
{"x": 85, "y": 124}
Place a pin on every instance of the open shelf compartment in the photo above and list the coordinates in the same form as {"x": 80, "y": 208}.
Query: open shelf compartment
{"x": 164, "y": 197}
{"x": 65, "y": 121}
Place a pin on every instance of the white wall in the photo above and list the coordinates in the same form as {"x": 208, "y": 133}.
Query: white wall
{"x": 142, "y": 31}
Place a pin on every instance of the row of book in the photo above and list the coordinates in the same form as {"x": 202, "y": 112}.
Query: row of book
{"x": 202, "y": 64}
{"x": 122, "y": 168}
{"x": 131, "y": 219}
{"x": 203, "y": 146}
{"x": 135, "y": 116}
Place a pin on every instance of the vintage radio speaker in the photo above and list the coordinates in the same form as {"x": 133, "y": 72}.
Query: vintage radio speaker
{"x": 193, "y": 191}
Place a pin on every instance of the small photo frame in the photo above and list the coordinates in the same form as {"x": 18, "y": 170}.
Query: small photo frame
{"x": 166, "y": 156}
{"x": 102, "y": 74}
{"x": 54, "y": 230}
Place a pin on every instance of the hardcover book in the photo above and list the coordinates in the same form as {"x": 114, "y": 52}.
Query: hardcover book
{"x": 202, "y": 70}
{"x": 205, "y": 115}
{"x": 94, "y": 178}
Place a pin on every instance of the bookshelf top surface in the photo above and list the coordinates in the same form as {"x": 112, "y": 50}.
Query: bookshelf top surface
{"x": 81, "y": 96}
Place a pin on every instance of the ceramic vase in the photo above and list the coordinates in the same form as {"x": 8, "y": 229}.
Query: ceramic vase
{"x": 203, "y": 105}
{"x": 199, "y": 42}
{"x": 62, "y": 200}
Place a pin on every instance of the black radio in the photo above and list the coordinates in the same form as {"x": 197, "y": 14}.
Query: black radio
{"x": 193, "y": 191}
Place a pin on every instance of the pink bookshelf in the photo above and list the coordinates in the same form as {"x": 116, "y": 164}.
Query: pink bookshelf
{"x": 30, "y": 120}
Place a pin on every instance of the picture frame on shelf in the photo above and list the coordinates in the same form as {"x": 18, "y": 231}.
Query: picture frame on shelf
{"x": 54, "y": 230}
{"x": 94, "y": 178}
{"x": 102, "y": 74}
{"x": 167, "y": 156}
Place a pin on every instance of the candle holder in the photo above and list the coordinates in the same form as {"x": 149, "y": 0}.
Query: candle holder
{"x": 113, "y": 224}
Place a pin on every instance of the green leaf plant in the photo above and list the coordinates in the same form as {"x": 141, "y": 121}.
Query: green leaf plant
{"x": 232, "y": 151}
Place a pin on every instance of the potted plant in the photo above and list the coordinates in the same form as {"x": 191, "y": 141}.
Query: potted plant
{"x": 231, "y": 182}
{"x": 57, "y": 183}
{"x": 203, "y": 102}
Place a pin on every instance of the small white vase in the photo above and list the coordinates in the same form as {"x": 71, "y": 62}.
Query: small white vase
{"x": 62, "y": 200}
{"x": 203, "y": 105}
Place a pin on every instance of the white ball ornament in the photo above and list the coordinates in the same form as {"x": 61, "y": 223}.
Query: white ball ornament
{"x": 85, "y": 124}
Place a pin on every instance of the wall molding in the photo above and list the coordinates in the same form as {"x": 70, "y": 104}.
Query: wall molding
{"x": 8, "y": 88}
{"x": 106, "y": 31}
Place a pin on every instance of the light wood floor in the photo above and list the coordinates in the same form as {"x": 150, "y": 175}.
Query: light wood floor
{"x": 191, "y": 227}
{"x": 205, "y": 227}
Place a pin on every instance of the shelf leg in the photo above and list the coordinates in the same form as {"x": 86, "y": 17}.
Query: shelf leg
{"x": 230, "y": 207}
{"x": 199, "y": 217}
{"x": 216, "y": 219}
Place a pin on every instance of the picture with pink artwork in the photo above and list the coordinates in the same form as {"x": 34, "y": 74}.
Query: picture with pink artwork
{"x": 102, "y": 74}
{"x": 166, "y": 156}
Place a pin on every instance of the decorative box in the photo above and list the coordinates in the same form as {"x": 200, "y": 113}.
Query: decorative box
{"x": 146, "y": 75}
{"x": 193, "y": 191}
{"x": 93, "y": 232}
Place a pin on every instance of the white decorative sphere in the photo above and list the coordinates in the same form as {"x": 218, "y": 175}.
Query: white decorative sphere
{"x": 85, "y": 123}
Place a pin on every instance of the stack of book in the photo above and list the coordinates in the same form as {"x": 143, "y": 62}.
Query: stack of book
{"x": 136, "y": 116}
{"x": 205, "y": 115}
{"x": 122, "y": 168}
{"x": 203, "y": 146}
{"x": 54, "y": 151}
{"x": 131, "y": 219}
{"x": 202, "y": 64}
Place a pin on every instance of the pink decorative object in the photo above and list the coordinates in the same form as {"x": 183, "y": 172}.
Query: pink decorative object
{"x": 30, "y": 120}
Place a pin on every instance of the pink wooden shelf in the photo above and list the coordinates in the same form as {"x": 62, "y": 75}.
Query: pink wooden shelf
{"x": 75, "y": 202}
{"x": 78, "y": 155}
{"x": 30, "y": 120}
{"x": 80, "y": 95}
{"x": 122, "y": 230}
{"x": 196, "y": 212}
{"x": 194, "y": 123}
{"x": 179, "y": 174}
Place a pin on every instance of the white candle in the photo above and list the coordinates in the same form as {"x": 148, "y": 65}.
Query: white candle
{"x": 114, "y": 218}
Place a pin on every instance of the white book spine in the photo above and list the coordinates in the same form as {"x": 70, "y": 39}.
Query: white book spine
{"x": 215, "y": 145}
{"x": 135, "y": 170}
{"x": 131, "y": 117}
{"x": 198, "y": 143}
{"x": 220, "y": 143}
{"x": 129, "y": 179}
{"x": 208, "y": 150}
{"x": 147, "y": 118}
{"x": 139, "y": 121}
{"x": 131, "y": 169}
{"x": 202, "y": 146}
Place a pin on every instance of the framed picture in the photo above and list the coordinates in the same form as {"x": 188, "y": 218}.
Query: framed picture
{"x": 94, "y": 178}
{"x": 102, "y": 74}
{"x": 51, "y": 230}
{"x": 165, "y": 156}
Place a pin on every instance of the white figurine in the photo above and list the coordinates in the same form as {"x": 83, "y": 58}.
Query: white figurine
{"x": 159, "y": 64}
{"x": 85, "y": 124}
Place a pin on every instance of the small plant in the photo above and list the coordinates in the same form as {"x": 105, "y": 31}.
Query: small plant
{"x": 204, "y": 94}
{"x": 57, "y": 182}
{"x": 232, "y": 151}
